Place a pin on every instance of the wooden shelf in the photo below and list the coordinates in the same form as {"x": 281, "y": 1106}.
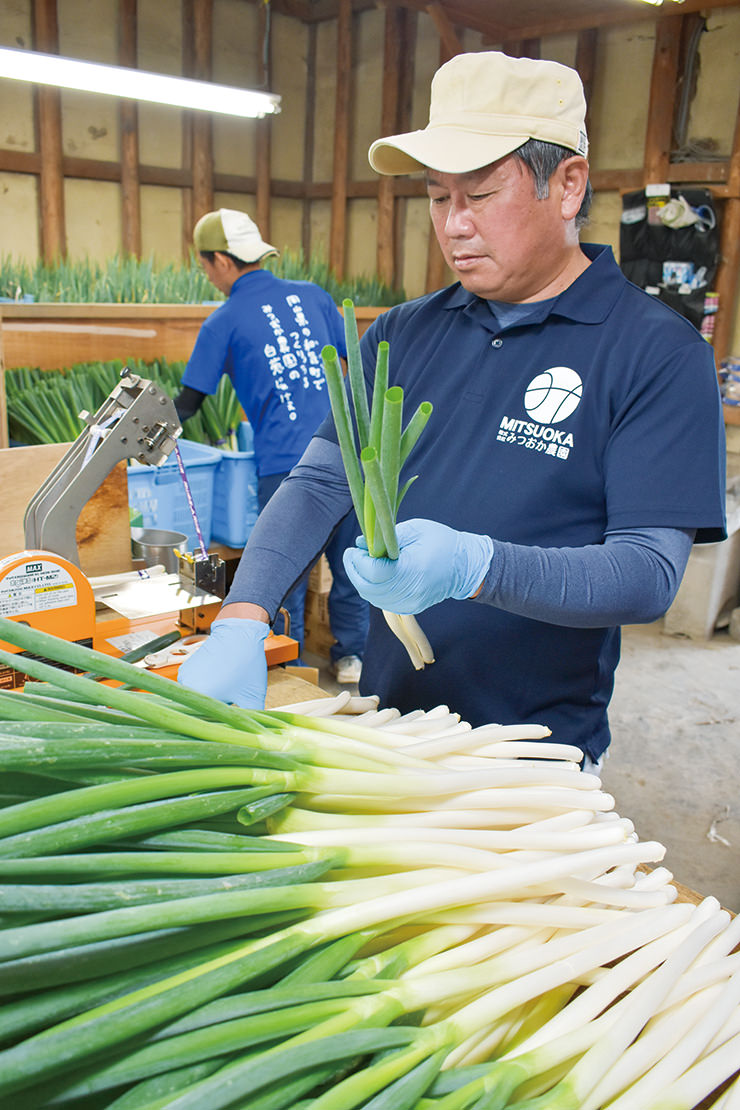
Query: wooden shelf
{"x": 732, "y": 414}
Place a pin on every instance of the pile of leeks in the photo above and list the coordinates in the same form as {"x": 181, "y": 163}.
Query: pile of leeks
{"x": 203, "y": 906}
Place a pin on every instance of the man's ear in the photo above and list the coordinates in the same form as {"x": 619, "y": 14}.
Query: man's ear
{"x": 574, "y": 179}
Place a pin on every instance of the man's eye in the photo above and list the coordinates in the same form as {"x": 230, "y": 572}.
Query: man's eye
{"x": 478, "y": 196}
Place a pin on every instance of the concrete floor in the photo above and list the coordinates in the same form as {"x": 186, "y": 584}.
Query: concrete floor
{"x": 674, "y": 762}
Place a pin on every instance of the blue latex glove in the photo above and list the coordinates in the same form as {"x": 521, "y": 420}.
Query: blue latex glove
{"x": 230, "y": 665}
{"x": 435, "y": 562}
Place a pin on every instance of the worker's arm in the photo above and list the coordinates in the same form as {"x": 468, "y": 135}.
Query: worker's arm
{"x": 187, "y": 402}
{"x": 632, "y": 577}
{"x": 290, "y": 532}
{"x": 292, "y": 529}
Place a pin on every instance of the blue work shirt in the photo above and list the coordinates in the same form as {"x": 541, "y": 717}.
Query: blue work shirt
{"x": 268, "y": 338}
{"x": 599, "y": 411}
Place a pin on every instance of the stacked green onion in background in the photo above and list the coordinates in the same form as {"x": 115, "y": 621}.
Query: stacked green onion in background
{"x": 124, "y": 279}
{"x": 204, "y": 907}
{"x": 44, "y": 405}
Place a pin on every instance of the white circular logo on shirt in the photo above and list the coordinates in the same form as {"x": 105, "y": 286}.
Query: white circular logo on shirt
{"x": 553, "y": 395}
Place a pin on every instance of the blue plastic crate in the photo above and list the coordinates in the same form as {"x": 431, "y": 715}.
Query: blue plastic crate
{"x": 158, "y": 493}
{"x": 235, "y": 498}
{"x": 245, "y": 437}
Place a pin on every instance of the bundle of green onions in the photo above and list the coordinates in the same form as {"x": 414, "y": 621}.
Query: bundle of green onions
{"x": 384, "y": 446}
{"x": 204, "y": 907}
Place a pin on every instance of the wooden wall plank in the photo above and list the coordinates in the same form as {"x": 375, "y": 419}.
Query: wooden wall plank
{"x": 129, "y": 125}
{"x": 659, "y": 133}
{"x": 342, "y": 114}
{"x": 49, "y": 141}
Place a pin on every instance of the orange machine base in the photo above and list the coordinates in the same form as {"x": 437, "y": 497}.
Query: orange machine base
{"x": 278, "y": 649}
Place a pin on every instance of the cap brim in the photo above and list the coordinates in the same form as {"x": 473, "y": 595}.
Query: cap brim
{"x": 447, "y": 149}
{"x": 265, "y": 251}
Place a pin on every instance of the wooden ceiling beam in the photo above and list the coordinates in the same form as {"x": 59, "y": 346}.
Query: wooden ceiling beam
{"x": 497, "y": 25}
{"x": 558, "y": 25}
{"x": 447, "y": 33}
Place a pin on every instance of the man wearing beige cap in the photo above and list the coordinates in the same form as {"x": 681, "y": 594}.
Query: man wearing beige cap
{"x": 267, "y": 337}
{"x": 576, "y": 446}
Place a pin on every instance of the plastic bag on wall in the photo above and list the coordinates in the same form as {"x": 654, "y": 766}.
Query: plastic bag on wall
{"x": 652, "y": 251}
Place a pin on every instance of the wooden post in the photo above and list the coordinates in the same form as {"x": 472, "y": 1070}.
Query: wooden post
{"x": 264, "y": 153}
{"x": 435, "y": 277}
{"x": 522, "y": 48}
{"x": 202, "y": 121}
{"x": 337, "y": 238}
{"x": 49, "y": 138}
{"x": 388, "y": 121}
{"x": 659, "y": 134}
{"x": 407, "y": 27}
{"x": 129, "y": 124}
{"x": 309, "y": 139}
{"x": 586, "y": 64}
{"x": 188, "y": 69}
{"x": 728, "y": 273}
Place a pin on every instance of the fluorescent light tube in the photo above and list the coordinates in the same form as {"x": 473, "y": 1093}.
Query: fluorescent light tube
{"x": 135, "y": 84}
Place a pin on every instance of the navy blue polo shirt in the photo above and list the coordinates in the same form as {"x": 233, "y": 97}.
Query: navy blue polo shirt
{"x": 268, "y": 337}
{"x": 599, "y": 411}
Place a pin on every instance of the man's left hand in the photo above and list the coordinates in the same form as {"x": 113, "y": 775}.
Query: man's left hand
{"x": 435, "y": 562}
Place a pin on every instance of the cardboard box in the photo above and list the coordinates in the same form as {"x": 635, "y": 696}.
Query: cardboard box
{"x": 317, "y": 609}
{"x": 318, "y": 641}
{"x": 320, "y": 577}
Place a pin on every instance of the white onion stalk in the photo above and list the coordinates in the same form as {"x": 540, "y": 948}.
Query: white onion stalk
{"x": 408, "y": 630}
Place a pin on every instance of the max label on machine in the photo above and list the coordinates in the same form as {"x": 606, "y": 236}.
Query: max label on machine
{"x": 268, "y": 337}
{"x": 522, "y": 550}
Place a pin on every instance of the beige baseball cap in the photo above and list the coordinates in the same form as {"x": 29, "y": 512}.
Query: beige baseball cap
{"x": 485, "y": 105}
{"x": 232, "y": 231}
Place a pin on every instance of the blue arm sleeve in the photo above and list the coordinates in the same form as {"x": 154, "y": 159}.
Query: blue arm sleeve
{"x": 631, "y": 578}
{"x": 293, "y": 528}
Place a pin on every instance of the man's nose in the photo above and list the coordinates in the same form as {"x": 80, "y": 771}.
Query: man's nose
{"x": 459, "y": 221}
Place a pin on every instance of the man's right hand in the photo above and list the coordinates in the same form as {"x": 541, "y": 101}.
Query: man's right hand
{"x": 230, "y": 665}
